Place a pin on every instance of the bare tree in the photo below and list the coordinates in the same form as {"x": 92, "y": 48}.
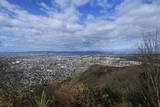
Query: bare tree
{"x": 149, "y": 51}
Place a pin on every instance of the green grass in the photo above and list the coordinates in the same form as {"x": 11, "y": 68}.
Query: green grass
{"x": 42, "y": 102}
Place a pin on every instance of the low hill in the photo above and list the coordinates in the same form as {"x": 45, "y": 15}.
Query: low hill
{"x": 116, "y": 77}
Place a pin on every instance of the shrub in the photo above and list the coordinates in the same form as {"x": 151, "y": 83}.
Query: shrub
{"x": 99, "y": 97}
{"x": 83, "y": 96}
{"x": 42, "y": 102}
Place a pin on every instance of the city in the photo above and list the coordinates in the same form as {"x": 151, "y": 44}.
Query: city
{"x": 39, "y": 69}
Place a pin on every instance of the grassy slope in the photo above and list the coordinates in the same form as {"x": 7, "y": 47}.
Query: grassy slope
{"x": 120, "y": 78}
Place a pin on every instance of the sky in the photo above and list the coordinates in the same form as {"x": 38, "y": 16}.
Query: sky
{"x": 75, "y": 25}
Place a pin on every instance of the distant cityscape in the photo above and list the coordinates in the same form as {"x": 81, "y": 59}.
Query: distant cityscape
{"x": 40, "y": 69}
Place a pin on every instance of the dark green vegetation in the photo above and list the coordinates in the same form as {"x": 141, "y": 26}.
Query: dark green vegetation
{"x": 99, "y": 86}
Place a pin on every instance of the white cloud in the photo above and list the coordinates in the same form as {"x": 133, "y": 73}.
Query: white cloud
{"x": 80, "y": 2}
{"x": 61, "y": 30}
{"x": 69, "y": 3}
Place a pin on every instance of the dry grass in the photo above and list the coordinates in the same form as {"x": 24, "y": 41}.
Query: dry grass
{"x": 126, "y": 78}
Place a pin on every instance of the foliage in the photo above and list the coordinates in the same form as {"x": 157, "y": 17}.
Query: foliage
{"x": 103, "y": 97}
{"x": 42, "y": 102}
{"x": 83, "y": 96}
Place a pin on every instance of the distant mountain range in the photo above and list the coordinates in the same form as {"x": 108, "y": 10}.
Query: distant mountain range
{"x": 74, "y": 52}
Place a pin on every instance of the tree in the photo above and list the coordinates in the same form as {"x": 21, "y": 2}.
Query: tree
{"x": 149, "y": 55}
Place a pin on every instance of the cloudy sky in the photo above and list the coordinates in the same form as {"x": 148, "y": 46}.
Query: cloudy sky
{"x": 75, "y": 25}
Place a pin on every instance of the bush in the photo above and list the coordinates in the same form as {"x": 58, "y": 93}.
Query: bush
{"x": 42, "y": 102}
{"x": 103, "y": 97}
